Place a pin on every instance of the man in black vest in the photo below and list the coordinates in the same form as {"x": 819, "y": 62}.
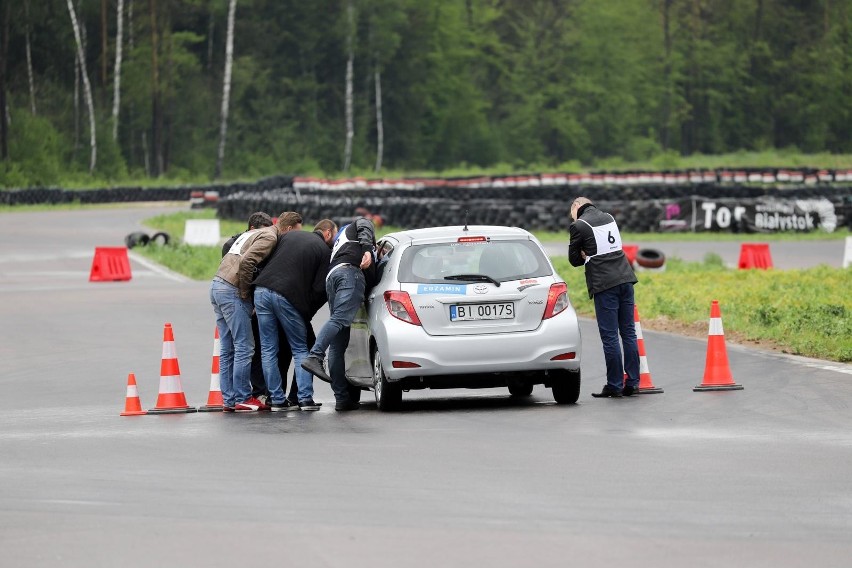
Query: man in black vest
{"x": 346, "y": 284}
{"x": 596, "y": 243}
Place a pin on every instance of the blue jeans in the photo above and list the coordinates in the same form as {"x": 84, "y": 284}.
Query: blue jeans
{"x": 345, "y": 288}
{"x": 614, "y": 312}
{"x": 272, "y": 308}
{"x": 236, "y": 341}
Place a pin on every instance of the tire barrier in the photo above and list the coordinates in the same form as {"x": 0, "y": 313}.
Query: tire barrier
{"x": 671, "y": 208}
{"x": 642, "y": 201}
{"x": 43, "y": 195}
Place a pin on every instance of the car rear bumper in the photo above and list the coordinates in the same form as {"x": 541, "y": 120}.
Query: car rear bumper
{"x": 476, "y": 355}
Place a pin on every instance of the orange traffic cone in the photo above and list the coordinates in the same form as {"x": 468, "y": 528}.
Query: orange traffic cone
{"x": 717, "y": 372}
{"x": 214, "y": 399}
{"x": 132, "y": 405}
{"x": 171, "y": 399}
{"x": 646, "y": 386}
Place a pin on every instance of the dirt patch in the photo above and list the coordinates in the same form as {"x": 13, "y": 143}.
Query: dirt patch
{"x": 699, "y": 330}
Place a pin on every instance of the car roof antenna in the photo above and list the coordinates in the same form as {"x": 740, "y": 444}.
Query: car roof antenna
{"x": 465, "y": 220}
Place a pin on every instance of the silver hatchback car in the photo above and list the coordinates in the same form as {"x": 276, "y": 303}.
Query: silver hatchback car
{"x": 465, "y": 307}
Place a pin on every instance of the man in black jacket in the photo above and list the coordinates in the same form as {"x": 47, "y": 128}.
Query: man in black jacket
{"x": 346, "y": 285}
{"x": 288, "y": 292}
{"x": 596, "y": 242}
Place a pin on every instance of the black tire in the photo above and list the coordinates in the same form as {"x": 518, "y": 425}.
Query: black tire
{"x": 650, "y": 258}
{"x": 565, "y": 386}
{"x": 388, "y": 395}
{"x": 137, "y": 238}
{"x": 160, "y": 238}
{"x": 520, "y": 389}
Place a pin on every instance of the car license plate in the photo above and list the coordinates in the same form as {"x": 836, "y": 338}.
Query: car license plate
{"x": 468, "y": 312}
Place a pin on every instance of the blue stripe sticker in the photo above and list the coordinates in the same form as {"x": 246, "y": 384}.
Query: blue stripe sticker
{"x": 460, "y": 289}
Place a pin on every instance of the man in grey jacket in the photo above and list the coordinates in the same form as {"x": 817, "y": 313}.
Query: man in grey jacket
{"x": 596, "y": 243}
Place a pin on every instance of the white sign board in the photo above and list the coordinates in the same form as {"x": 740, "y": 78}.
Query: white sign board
{"x": 201, "y": 232}
{"x": 847, "y": 256}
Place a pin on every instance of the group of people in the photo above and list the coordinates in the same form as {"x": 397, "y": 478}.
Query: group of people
{"x": 272, "y": 280}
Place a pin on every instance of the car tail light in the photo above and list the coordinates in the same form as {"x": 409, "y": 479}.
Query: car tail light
{"x": 400, "y": 306}
{"x": 472, "y": 239}
{"x": 404, "y": 365}
{"x": 557, "y": 300}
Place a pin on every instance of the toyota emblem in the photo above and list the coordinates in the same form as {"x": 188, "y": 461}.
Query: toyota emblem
{"x": 480, "y": 289}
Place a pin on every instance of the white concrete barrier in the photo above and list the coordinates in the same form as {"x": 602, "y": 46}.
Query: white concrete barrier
{"x": 201, "y": 232}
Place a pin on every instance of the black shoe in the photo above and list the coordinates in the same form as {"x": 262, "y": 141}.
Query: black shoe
{"x": 285, "y": 406}
{"x": 314, "y": 366}
{"x": 629, "y": 391}
{"x": 607, "y": 392}
{"x": 309, "y": 404}
{"x": 347, "y": 405}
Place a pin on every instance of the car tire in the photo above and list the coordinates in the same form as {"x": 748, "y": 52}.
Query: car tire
{"x": 137, "y": 238}
{"x": 388, "y": 394}
{"x": 520, "y": 389}
{"x": 650, "y": 258}
{"x": 160, "y": 238}
{"x": 565, "y": 386}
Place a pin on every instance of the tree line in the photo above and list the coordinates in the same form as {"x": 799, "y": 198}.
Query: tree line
{"x": 197, "y": 89}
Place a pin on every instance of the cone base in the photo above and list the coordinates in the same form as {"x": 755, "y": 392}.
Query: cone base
{"x": 701, "y": 388}
{"x": 650, "y": 390}
{"x": 172, "y": 410}
{"x": 134, "y": 413}
{"x": 211, "y": 408}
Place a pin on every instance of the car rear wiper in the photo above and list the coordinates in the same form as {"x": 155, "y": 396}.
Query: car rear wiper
{"x": 477, "y": 277}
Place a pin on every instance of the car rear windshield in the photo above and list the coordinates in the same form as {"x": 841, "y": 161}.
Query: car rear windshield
{"x": 500, "y": 260}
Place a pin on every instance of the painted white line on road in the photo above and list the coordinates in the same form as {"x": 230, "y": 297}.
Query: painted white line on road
{"x": 36, "y": 257}
{"x": 691, "y": 435}
{"x": 162, "y": 271}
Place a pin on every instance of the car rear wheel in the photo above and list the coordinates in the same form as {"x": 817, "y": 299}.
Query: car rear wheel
{"x": 388, "y": 395}
{"x": 566, "y": 387}
{"x": 520, "y": 389}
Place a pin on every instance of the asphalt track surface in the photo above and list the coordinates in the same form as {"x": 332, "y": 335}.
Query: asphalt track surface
{"x": 758, "y": 477}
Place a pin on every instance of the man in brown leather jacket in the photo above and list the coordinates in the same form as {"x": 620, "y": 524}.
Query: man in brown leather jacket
{"x": 231, "y": 296}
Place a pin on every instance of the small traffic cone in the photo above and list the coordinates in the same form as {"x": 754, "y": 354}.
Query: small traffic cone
{"x": 717, "y": 372}
{"x": 646, "y": 386}
{"x": 171, "y": 398}
{"x": 132, "y": 405}
{"x": 214, "y": 399}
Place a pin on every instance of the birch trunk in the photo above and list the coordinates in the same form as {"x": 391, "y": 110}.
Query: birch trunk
{"x": 104, "y": 45}
{"x": 350, "y": 131}
{"x": 380, "y": 125}
{"x": 76, "y": 104}
{"x": 30, "y": 60}
{"x": 226, "y": 87}
{"x": 87, "y": 88}
{"x": 116, "y": 91}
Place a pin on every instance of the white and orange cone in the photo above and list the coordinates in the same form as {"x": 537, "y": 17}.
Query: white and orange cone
{"x": 717, "y": 372}
{"x": 171, "y": 398}
{"x": 214, "y": 399}
{"x": 646, "y": 385}
{"x": 132, "y": 404}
